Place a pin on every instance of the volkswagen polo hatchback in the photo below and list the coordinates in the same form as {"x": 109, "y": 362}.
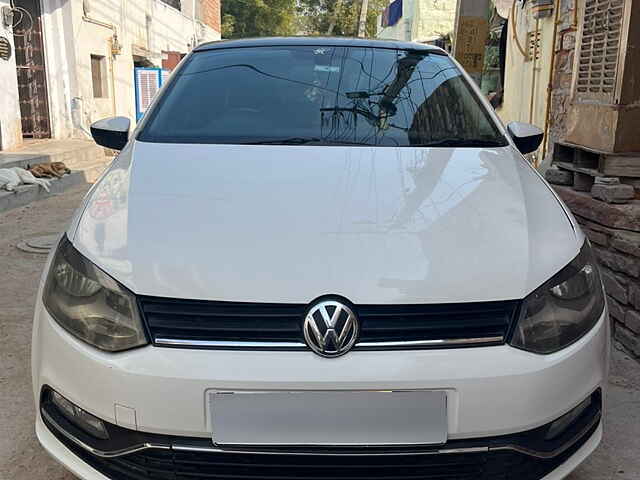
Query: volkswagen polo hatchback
{"x": 320, "y": 259}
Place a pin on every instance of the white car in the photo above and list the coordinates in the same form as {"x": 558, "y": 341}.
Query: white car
{"x": 320, "y": 259}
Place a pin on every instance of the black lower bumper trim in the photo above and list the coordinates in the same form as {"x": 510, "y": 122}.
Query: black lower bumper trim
{"x": 522, "y": 456}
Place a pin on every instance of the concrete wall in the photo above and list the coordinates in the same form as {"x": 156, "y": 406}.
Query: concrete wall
{"x": 76, "y": 29}
{"x": 10, "y": 125}
{"x": 60, "y": 51}
{"x": 422, "y": 21}
{"x": 432, "y": 19}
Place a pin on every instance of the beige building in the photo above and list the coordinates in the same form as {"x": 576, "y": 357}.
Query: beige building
{"x": 422, "y": 21}
{"x": 528, "y": 64}
{"x": 73, "y": 61}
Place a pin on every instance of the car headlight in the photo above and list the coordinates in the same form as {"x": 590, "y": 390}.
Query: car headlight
{"x": 90, "y": 304}
{"x": 563, "y": 309}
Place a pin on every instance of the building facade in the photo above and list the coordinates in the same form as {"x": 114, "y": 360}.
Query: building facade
{"x": 73, "y": 61}
{"x": 530, "y": 45}
{"x": 424, "y": 21}
{"x": 10, "y": 125}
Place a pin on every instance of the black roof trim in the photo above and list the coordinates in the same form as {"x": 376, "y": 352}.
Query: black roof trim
{"x": 318, "y": 41}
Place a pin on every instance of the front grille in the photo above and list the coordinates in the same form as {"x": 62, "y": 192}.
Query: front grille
{"x": 222, "y": 321}
{"x": 177, "y": 465}
{"x": 182, "y": 465}
{"x": 174, "y": 322}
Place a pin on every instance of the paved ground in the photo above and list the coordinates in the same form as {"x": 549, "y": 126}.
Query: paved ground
{"x": 21, "y": 458}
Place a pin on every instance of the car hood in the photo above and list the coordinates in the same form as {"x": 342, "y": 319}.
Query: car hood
{"x": 292, "y": 223}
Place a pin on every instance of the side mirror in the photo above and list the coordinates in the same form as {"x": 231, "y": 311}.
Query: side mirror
{"x": 527, "y": 137}
{"x": 112, "y": 132}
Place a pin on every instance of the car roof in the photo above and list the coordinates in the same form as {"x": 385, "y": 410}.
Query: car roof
{"x": 318, "y": 41}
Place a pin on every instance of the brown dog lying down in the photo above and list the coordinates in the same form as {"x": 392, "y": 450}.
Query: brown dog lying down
{"x": 48, "y": 170}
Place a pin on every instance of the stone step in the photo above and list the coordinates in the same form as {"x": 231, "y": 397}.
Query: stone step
{"x": 25, "y": 194}
{"x": 75, "y": 160}
{"x": 78, "y": 159}
{"x": 74, "y": 153}
{"x": 86, "y": 160}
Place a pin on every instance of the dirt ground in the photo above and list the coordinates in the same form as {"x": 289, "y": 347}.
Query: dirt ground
{"x": 21, "y": 457}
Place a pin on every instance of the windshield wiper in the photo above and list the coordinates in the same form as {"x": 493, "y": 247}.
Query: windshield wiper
{"x": 285, "y": 141}
{"x": 306, "y": 140}
{"x": 329, "y": 141}
{"x": 461, "y": 142}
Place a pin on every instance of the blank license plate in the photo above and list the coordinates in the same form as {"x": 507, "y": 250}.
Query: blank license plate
{"x": 329, "y": 418}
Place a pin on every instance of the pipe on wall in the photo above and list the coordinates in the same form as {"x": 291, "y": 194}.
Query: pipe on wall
{"x": 113, "y": 78}
{"x": 193, "y": 22}
{"x": 514, "y": 23}
{"x": 552, "y": 69}
{"x": 88, "y": 19}
{"x": 533, "y": 69}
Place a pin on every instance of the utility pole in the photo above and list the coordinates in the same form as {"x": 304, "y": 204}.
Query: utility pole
{"x": 334, "y": 17}
{"x": 470, "y": 35}
{"x": 362, "y": 24}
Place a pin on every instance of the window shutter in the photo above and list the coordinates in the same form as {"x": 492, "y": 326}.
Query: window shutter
{"x": 599, "y": 50}
{"x": 147, "y": 84}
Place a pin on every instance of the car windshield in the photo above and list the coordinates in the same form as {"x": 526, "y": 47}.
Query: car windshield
{"x": 321, "y": 95}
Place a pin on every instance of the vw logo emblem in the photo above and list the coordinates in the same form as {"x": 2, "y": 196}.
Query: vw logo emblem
{"x": 330, "y": 328}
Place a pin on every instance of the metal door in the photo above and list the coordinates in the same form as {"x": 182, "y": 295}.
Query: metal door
{"x": 30, "y": 67}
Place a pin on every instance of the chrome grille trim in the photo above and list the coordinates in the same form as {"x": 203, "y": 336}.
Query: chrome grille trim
{"x": 431, "y": 343}
{"x": 213, "y": 449}
{"x": 101, "y": 453}
{"x": 545, "y": 455}
{"x": 445, "y": 451}
{"x": 240, "y": 345}
{"x": 232, "y": 344}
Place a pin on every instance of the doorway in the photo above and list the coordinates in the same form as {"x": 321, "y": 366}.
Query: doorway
{"x": 30, "y": 68}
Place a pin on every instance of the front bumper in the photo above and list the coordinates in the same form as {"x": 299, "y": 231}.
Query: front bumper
{"x": 207, "y": 462}
{"x": 491, "y": 391}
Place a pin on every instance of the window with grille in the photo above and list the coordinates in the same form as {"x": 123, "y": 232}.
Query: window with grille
{"x": 173, "y": 3}
{"x": 599, "y": 49}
